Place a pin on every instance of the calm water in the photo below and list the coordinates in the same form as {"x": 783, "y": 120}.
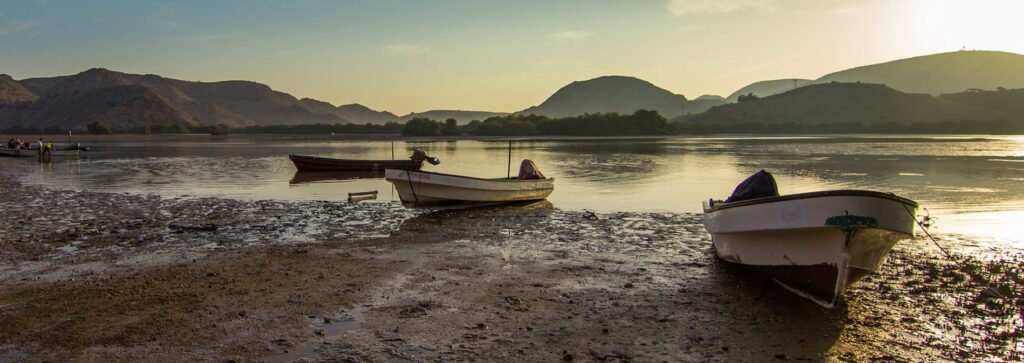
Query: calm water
{"x": 974, "y": 185}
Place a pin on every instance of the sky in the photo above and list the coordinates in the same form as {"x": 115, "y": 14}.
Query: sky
{"x": 418, "y": 55}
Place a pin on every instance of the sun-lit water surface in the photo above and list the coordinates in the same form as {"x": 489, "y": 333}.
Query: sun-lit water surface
{"x": 973, "y": 185}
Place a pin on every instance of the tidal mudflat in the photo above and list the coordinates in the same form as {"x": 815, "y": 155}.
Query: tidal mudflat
{"x": 93, "y": 276}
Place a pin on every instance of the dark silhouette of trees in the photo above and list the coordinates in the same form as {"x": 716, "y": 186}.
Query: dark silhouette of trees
{"x": 421, "y": 126}
{"x": 747, "y": 98}
{"x": 641, "y": 122}
{"x": 450, "y": 128}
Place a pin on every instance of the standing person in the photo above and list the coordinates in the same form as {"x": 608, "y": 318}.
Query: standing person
{"x": 39, "y": 147}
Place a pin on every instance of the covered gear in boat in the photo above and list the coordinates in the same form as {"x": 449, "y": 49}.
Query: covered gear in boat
{"x": 529, "y": 170}
{"x": 759, "y": 185}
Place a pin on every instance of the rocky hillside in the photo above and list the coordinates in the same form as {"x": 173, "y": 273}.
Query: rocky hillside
{"x": 834, "y": 103}
{"x": 609, "y": 94}
{"x": 941, "y": 73}
{"x": 12, "y": 92}
{"x": 125, "y": 101}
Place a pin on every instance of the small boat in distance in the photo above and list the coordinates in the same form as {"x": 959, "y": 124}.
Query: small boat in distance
{"x": 6, "y": 151}
{"x": 57, "y": 151}
{"x": 422, "y": 187}
{"x": 319, "y": 163}
{"x": 814, "y": 244}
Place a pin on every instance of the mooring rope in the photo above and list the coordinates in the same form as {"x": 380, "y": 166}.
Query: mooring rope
{"x": 987, "y": 281}
{"x": 409, "y": 177}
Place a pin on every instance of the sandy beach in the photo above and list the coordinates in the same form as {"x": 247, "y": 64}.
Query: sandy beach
{"x": 95, "y": 277}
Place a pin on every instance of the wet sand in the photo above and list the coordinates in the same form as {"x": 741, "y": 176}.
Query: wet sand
{"x": 93, "y": 277}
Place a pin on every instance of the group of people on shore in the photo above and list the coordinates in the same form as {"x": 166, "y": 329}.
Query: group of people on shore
{"x": 40, "y": 146}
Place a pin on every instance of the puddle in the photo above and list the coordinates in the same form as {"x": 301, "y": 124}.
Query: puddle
{"x": 326, "y": 331}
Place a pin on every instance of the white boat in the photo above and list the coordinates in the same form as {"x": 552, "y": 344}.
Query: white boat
{"x": 814, "y": 244}
{"x": 424, "y": 187}
{"x": 6, "y": 151}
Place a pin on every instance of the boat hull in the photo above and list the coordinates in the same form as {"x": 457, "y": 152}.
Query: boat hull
{"x": 814, "y": 244}
{"x": 426, "y": 188}
{"x": 316, "y": 163}
{"x": 6, "y": 151}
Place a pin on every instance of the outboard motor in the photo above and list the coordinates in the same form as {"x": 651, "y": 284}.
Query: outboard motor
{"x": 420, "y": 155}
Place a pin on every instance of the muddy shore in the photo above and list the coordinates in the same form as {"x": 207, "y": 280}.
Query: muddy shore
{"x": 88, "y": 276}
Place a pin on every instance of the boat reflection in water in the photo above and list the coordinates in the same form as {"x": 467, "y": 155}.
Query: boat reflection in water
{"x": 304, "y": 177}
{"x": 452, "y": 218}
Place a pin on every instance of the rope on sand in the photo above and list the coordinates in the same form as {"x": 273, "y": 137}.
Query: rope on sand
{"x": 988, "y": 282}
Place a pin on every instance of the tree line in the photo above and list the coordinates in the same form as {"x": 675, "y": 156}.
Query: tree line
{"x": 639, "y": 123}
{"x": 1005, "y": 127}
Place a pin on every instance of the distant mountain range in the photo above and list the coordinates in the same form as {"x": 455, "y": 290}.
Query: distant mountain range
{"x": 866, "y": 103}
{"x": 933, "y": 74}
{"x": 126, "y": 101}
{"x": 768, "y": 88}
{"x": 941, "y": 73}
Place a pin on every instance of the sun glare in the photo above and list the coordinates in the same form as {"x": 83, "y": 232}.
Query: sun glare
{"x": 976, "y": 24}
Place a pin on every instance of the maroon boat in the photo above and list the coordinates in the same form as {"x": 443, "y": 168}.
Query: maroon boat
{"x": 319, "y": 163}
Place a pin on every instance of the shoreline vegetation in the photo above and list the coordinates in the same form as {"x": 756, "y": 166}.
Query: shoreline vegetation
{"x": 640, "y": 123}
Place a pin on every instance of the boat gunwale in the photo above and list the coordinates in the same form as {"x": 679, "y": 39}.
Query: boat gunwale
{"x": 357, "y": 161}
{"x": 819, "y": 194}
{"x": 509, "y": 179}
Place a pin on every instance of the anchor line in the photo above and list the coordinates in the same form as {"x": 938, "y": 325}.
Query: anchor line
{"x": 987, "y": 281}
{"x": 413, "y": 189}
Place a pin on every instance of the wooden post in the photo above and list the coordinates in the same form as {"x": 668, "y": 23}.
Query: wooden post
{"x": 509, "y": 169}
{"x": 392, "y": 150}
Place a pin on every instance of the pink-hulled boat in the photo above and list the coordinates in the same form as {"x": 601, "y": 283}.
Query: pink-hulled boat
{"x": 319, "y": 163}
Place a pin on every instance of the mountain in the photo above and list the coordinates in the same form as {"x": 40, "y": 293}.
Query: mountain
{"x": 361, "y": 114}
{"x": 609, "y": 94}
{"x": 13, "y": 92}
{"x": 459, "y": 115}
{"x": 703, "y": 103}
{"x": 1008, "y": 101}
{"x": 834, "y": 103}
{"x": 354, "y": 113}
{"x": 234, "y": 103}
{"x": 119, "y": 107}
{"x": 768, "y": 88}
{"x": 941, "y": 73}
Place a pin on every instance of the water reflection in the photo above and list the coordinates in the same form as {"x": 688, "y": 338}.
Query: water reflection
{"x": 948, "y": 175}
{"x": 301, "y": 177}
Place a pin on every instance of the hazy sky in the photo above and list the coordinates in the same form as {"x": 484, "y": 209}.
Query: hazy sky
{"x": 507, "y": 55}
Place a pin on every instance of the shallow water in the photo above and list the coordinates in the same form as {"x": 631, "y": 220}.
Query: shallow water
{"x": 973, "y": 185}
